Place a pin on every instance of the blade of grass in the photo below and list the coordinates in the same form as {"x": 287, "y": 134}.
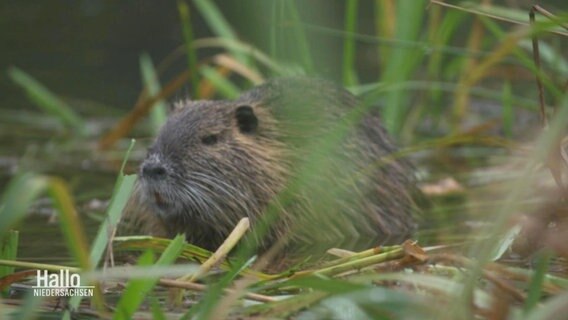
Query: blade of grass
{"x": 535, "y": 287}
{"x": 512, "y": 15}
{"x": 522, "y": 57}
{"x": 157, "y": 311}
{"x": 285, "y": 308}
{"x": 329, "y": 285}
{"x": 244, "y": 48}
{"x": 402, "y": 62}
{"x": 35, "y": 265}
{"x": 183, "y": 9}
{"x": 19, "y": 195}
{"x": 440, "y": 34}
{"x": 223, "y": 85}
{"x": 8, "y": 251}
{"x": 554, "y": 308}
{"x": 122, "y": 189}
{"x": 469, "y": 64}
{"x": 385, "y": 20}
{"x": 29, "y": 309}
{"x": 276, "y": 12}
{"x": 349, "y": 71}
{"x": 70, "y": 223}
{"x": 372, "y": 303}
{"x": 206, "y": 307}
{"x": 507, "y": 113}
{"x": 137, "y": 289}
{"x": 72, "y": 230}
{"x": 121, "y": 192}
{"x": 300, "y": 39}
{"x": 549, "y": 56}
{"x": 219, "y": 24}
{"x": 158, "y": 113}
{"x": 48, "y": 101}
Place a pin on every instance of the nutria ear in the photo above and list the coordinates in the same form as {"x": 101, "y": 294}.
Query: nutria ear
{"x": 246, "y": 119}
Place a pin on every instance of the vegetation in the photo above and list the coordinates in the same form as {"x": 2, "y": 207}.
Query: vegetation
{"x": 430, "y": 77}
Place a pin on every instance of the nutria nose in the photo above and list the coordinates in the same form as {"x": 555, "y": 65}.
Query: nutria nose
{"x": 153, "y": 170}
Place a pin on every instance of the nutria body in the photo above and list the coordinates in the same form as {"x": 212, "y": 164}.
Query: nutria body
{"x": 285, "y": 148}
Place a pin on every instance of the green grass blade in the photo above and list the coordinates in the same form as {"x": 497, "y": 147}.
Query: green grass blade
{"x": 137, "y": 289}
{"x": 554, "y": 308}
{"x": 519, "y": 16}
{"x": 47, "y": 101}
{"x": 300, "y": 40}
{"x": 329, "y": 285}
{"x": 525, "y": 58}
{"x": 402, "y": 61}
{"x": 224, "y": 86}
{"x": 218, "y": 24}
{"x": 121, "y": 192}
{"x": 275, "y": 12}
{"x": 207, "y": 305}
{"x": 70, "y": 224}
{"x": 8, "y": 251}
{"x": 19, "y": 195}
{"x": 215, "y": 19}
{"x": 504, "y": 242}
{"x": 189, "y": 47}
{"x": 550, "y": 57}
{"x": 535, "y": 287}
{"x": 117, "y": 203}
{"x": 29, "y": 308}
{"x": 349, "y": 71}
{"x": 507, "y": 114}
{"x": 72, "y": 230}
{"x": 158, "y": 114}
{"x": 157, "y": 311}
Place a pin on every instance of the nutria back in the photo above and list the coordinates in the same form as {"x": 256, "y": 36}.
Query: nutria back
{"x": 301, "y": 151}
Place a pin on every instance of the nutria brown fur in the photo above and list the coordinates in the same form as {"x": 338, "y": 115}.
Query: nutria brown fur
{"x": 285, "y": 145}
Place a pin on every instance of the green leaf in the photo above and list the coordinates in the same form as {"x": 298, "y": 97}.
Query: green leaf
{"x": 349, "y": 71}
{"x": 158, "y": 114}
{"x": 8, "y": 251}
{"x": 137, "y": 289}
{"x": 218, "y": 24}
{"x": 535, "y": 287}
{"x": 402, "y": 62}
{"x": 47, "y": 101}
{"x": 122, "y": 189}
{"x": 19, "y": 195}
{"x": 225, "y": 87}
{"x": 185, "y": 17}
{"x": 552, "y": 309}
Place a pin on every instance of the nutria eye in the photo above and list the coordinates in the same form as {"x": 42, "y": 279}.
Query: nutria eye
{"x": 210, "y": 140}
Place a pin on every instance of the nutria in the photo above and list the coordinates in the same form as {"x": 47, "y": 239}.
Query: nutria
{"x": 287, "y": 145}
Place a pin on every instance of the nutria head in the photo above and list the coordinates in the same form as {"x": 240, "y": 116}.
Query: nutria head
{"x": 212, "y": 164}
{"x": 215, "y": 162}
